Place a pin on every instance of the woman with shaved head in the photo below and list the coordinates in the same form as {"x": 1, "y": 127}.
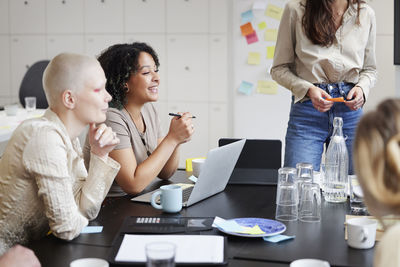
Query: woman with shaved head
{"x": 44, "y": 184}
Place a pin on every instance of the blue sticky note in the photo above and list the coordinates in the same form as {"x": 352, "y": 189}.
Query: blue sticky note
{"x": 278, "y": 238}
{"x": 193, "y": 178}
{"x": 246, "y": 88}
{"x": 227, "y": 226}
{"x": 92, "y": 229}
{"x": 247, "y": 16}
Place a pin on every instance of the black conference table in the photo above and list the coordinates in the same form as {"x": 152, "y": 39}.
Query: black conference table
{"x": 323, "y": 240}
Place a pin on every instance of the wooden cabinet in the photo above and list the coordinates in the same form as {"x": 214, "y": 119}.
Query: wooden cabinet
{"x": 103, "y": 16}
{"x": 27, "y": 16}
{"x": 5, "y": 82}
{"x": 144, "y": 16}
{"x": 64, "y": 16}
{"x": 187, "y": 16}
{"x": 25, "y": 51}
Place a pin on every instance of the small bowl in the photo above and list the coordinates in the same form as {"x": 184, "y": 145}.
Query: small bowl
{"x": 11, "y": 110}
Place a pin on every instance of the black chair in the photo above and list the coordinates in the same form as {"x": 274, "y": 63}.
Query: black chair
{"x": 258, "y": 163}
{"x": 32, "y": 85}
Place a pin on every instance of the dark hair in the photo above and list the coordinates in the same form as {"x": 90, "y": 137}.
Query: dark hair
{"x": 318, "y": 22}
{"x": 119, "y": 62}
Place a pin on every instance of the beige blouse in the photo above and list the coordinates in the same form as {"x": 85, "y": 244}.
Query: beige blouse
{"x": 387, "y": 252}
{"x": 44, "y": 183}
{"x": 298, "y": 63}
{"x": 122, "y": 124}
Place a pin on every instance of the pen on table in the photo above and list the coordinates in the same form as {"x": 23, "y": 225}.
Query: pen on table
{"x": 179, "y": 115}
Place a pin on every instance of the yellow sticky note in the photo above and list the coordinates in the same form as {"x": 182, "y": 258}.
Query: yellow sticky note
{"x": 274, "y": 12}
{"x": 5, "y": 127}
{"x": 270, "y": 52}
{"x": 254, "y": 58}
{"x": 267, "y": 87}
{"x": 255, "y": 230}
{"x": 262, "y": 25}
{"x": 271, "y": 35}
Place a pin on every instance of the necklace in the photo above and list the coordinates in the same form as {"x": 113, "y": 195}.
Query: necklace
{"x": 141, "y": 135}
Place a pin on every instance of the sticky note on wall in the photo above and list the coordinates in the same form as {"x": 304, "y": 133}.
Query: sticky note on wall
{"x": 254, "y": 58}
{"x": 270, "y": 52}
{"x": 252, "y": 38}
{"x": 274, "y": 12}
{"x": 267, "y": 87}
{"x": 262, "y": 25}
{"x": 247, "y": 16}
{"x": 246, "y": 88}
{"x": 271, "y": 35}
{"x": 246, "y": 29}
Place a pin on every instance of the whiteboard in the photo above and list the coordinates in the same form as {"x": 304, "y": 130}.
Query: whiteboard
{"x": 260, "y": 116}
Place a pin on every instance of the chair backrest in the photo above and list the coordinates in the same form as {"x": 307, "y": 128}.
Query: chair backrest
{"x": 32, "y": 85}
{"x": 258, "y": 153}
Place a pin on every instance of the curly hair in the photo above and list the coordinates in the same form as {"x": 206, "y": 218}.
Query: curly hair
{"x": 119, "y": 62}
{"x": 377, "y": 157}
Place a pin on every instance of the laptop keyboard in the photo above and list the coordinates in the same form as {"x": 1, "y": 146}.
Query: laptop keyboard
{"x": 186, "y": 193}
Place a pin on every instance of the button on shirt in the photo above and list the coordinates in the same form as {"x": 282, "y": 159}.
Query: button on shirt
{"x": 298, "y": 63}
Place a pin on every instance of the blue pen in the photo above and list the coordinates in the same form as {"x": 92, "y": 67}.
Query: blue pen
{"x": 178, "y": 115}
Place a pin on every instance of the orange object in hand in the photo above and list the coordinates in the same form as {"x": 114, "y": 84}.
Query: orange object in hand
{"x": 336, "y": 99}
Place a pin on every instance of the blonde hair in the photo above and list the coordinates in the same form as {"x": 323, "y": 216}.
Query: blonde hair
{"x": 66, "y": 71}
{"x": 377, "y": 157}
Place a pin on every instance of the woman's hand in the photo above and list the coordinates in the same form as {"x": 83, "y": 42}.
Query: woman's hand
{"x": 181, "y": 128}
{"x": 355, "y": 98}
{"x": 317, "y": 96}
{"x": 102, "y": 140}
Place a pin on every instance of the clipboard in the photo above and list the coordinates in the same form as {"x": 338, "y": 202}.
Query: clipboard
{"x": 142, "y": 226}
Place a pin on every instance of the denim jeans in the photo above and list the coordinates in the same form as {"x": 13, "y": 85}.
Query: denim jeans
{"x": 308, "y": 129}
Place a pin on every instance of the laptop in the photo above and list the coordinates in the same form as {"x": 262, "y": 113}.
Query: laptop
{"x": 213, "y": 178}
{"x": 258, "y": 162}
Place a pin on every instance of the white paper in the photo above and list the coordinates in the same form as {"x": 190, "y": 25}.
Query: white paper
{"x": 189, "y": 248}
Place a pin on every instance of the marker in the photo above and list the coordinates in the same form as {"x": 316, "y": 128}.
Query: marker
{"x": 179, "y": 115}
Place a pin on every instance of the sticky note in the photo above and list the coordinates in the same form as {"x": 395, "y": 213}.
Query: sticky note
{"x": 252, "y": 38}
{"x": 270, "y": 52}
{"x": 92, "y": 229}
{"x": 193, "y": 178}
{"x": 274, "y": 12}
{"x": 278, "y": 238}
{"x": 255, "y": 230}
{"x": 254, "y": 58}
{"x": 246, "y": 29}
{"x": 271, "y": 35}
{"x": 228, "y": 226}
{"x": 247, "y": 16}
{"x": 267, "y": 87}
{"x": 246, "y": 88}
{"x": 262, "y": 25}
{"x": 259, "y": 5}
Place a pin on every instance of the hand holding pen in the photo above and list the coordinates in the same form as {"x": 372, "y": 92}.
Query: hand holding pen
{"x": 181, "y": 128}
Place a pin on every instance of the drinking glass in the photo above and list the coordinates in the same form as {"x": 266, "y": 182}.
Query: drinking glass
{"x": 287, "y": 198}
{"x": 357, "y": 204}
{"x": 304, "y": 174}
{"x": 30, "y": 103}
{"x": 310, "y": 203}
{"x": 160, "y": 254}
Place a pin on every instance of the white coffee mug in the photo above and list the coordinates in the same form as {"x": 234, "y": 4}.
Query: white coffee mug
{"x": 309, "y": 263}
{"x": 89, "y": 262}
{"x": 197, "y": 164}
{"x": 361, "y": 232}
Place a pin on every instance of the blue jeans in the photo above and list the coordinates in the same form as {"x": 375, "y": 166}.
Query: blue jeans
{"x": 308, "y": 129}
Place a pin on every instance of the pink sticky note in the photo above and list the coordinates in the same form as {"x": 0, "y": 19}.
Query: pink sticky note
{"x": 252, "y": 38}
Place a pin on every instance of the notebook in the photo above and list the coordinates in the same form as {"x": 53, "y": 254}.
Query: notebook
{"x": 213, "y": 178}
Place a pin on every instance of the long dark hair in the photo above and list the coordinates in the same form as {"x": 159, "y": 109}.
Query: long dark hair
{"x": 318, "y": 22}
{"x": 119, "y": 62}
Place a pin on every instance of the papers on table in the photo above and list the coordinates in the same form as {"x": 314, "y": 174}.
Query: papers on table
{"x": 208, "y": 248}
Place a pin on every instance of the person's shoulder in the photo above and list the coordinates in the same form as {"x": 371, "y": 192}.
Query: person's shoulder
{"x": 296, "y": 5}
{"x": 364, "y": 7}
{"x": 150, "y": 108}
{"x": 114, "y": 114}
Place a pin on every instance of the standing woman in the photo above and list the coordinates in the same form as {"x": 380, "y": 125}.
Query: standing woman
{"x": 144, "y": 153}
{"x": 325, "y": 49}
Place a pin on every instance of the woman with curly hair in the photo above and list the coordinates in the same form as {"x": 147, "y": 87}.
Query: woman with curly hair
{"x": 377, "y": 164}
{"x": 144, "y": 153}
{"x": 325, "y": 49}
